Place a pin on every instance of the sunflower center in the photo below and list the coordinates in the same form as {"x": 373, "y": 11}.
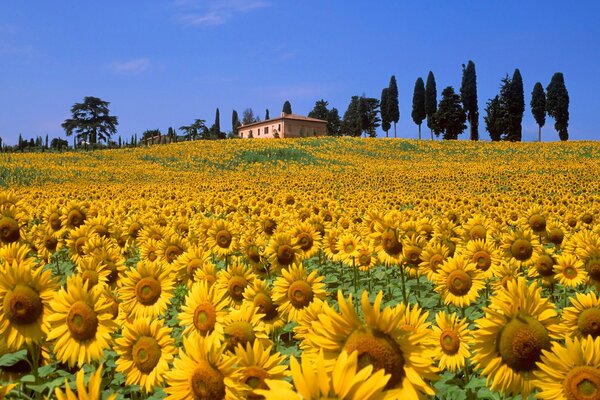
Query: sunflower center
{"x": 587, "y": 218}
{"x": 483, "y": 259}
{"x": 593, "y": 268}
{"x": 582, "y": 383}
{"x": 22, "y": 305}
{"x": 435, "y": 262}
{"x": 349, "y": 247}
{"x": 253, "y": 254}
{"x": 364, "y": 260}
{"x": 91, "y": 277}
{"x": 537, "y": 222}
{"x": 172, "y": 252}
{"x": 146, "y": 353}
{"x": 459, "y": 282}
{"x": 134, "y": 229}
{"x": 239, "y": 332}
{"x": 569, "y": 272}
{"x": 556, "y": 236}
{"x": 413, "y": 254}
{"x": 521, "y": 342}
{"x": 207, "y": 382}
{"x": 390, "y": 242}
{"x": 236, "y": 286}
{"x": 79, "y": 245}
{"x": 450, "y": 341}
{"x": 521, "y": 249}
{"x": 147, "y": 290}
{"x": 50, "y": 243}
{"x": 82, "y": 321}
{"x": 9, "y": 230}
{"x": 265, "y": 306}
{"x": 285, "y": 254}
{"x": 379, "y": 350}
{"x": 305, "y": 241}
{"x": 205, "y": 317}
{"x": 102, "y": 231}
{"x": 223, "y": 238}
{"x": 269, "y": 226}
{"x": 54, "y": 220}
{"x": 300, "y": 294}
{"x": 75, "y": 218}
{"x": 478, "y": 232}
{"x": 545, "y": 265}
{"x": 588, "y": 322}
{"x": 255, "y": 377}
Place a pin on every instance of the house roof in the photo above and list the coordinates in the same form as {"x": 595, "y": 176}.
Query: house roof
{"x": 282, "y": 117}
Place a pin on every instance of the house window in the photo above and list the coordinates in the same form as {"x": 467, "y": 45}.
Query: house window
{"x": 259, "y": 131}
{"x": 279, "y": 127}
{"x": 266, "y": 130}
{"x": 242, "y": 135}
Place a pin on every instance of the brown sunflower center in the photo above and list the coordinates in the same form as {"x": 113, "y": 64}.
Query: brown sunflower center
{"x": 435, "y": 262}
{"x": 269, "y": 226}
{"x": 253, "y": 254}
{"x": 79, "y": 245}
{"x": 50, "y": 243}
{"x": 207, "y": 382}
{"x": 521, "y": 249}
{"x": 390, "y": 242}
{"x": 285, "y": 254}
{"x": 521, "y": 343}
{"x": 305, "y": 241}
{"x": 223, "y": 238}
{"x": 587, "y": 218}
{"x": 146, "y": 353}
{"x": 205, "y": 317}
{"x": 54, "y": 221}
{"x": 478, "y": 232}
{"x": 537, "y": 222}
{"x": 236, "y": 286}
{"x": 22, "y": 305}
{"x": 413, "y": 254}
{"x": 82, "y": 321}
{"x": 101, "y": 230}
{"x": 148, "y": 290}
{"x": 570, "y": 272}
{"x": 255, "y": 378}
{"x": 364, "y": 259}
{"x": 90, "y": 276}
{"x": 459, "y": 282}
{"x": 75, "y": 218}
{"x": 582, "y": 383}
{"x": 265, "y": 306}
{"x": 588, "y": 322}
{"x": 379, "y": 350}
{"x": 544, "y": 265}
{"x": 134, "y": 229}
{"x": 450, "y": 341}
{"x": 300, "y": 294}
{"x": 482, "y": 259}
{"x": 172, "y": 252}
{"x": 593, "y": 268}
{"x": 239, "y": 332}
{"x": 556, "y": 236}
{"x": 9, "y": 230}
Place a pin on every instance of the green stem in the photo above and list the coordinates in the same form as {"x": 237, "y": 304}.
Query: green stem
{"x": 355, "y": 275}
{"x": 403, "y": 281}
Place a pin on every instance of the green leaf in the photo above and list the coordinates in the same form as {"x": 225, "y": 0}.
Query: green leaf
{"x": 28, "y": 379}
{"x": 10, "y": 359}
{"x": 46, "y": 370}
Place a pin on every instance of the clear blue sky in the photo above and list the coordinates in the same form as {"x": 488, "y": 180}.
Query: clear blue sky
{"x": 166, "y": 63}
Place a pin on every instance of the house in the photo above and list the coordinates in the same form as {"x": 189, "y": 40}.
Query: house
{"x": 284, "y": 126}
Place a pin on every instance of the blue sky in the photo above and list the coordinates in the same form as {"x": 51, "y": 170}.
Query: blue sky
{"x": 166, "y": 63}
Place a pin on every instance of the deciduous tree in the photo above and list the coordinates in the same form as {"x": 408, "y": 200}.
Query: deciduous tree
{"x": 450, "y": 117}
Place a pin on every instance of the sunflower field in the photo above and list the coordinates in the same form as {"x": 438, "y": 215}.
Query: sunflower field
{"x": 324, "y": 268}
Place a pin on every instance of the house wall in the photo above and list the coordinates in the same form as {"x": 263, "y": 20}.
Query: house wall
{"x": 286, "y": 128}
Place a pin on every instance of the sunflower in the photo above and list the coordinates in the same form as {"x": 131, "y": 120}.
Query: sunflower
{"x": 477, "y": 228}
{"x": 73, "y": 215}
{"x": 93, "y": 270}
{"x": 145, "y": 351}
{"x": 582, "y": 318}
{"x": 304, "y": 323}
{"x": 506, "y": 271}
{"x": 200, "y": 372}
{"x": 347, "y": 247}
{"x": 366, "y": 258}
{"x": 193, "y": 258}
{"x": 203, "y": 312}
{"x": 432, "y": 256}
{"x": 5, "y": 389}
{"x": 450, "y": 339}
{"x": 509, "y": 340}
{"x": 255, "y": 364}
{"x": 555, "y": 233}
{"x": 569, "y": 371}
{"x": 101, "y": 226}
{"x": 170, "y": 248}
{"x": 92, "y": 390}
{"x": 16, "y": 252}
{"x": 25, "y": 294}
{"x": 244, "y": 325}
{"x": 149, "y": 249}
{"x": 146, "y": 289}
{"x": 11, "y": 223}
{"x": 308, "y": 238}
{"x": 348, "y": 380}
{"x": 76, "y": 242}
{"x": 569, "y": 270}
{"x": 107, "y": 253}
{"x": 283, "y": 252}
{"x": 379, "y": 342}
{"x": 459, "y": 281}
{"x": 81, "y": 323}
{"x": 46, "y": 242}
{"x": 253, "y": 248}
{"x": 543, "y": 265}
{"x": 330, "y": 247}
{"x": 295, "y": 289}
{"x": 483, "y": 254}
{"x": 520, "y": 246}
{"x": 388, "y": 245}
{"x": 535, "y": 219}
{"x": 260, "y": 294}
{"x": 233, "y": 280}
{"x": 222, "y": 238}
{"x": 150, "y": 231}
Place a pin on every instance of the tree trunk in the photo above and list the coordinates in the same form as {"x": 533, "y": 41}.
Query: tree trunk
{"x": 394, "y": 130}
{"x": 539, "y": 134}
{"x": 431, "y": 130}
{"x": 419, "y": 131}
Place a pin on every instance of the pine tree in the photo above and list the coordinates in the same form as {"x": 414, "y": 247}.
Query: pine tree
{"x": 393, "y": 110}
{"x": 538, "y": 107}
{"x": 351, "y": 123}
{"x": 450, "y": 117}
{"x": 418, "y": 104}
{"x": 320, "y": 110}
{"x": 385, "y": 119}
{"x": 430, "y": 101}
{"x": 287, "y": 107}
{"x": 492, "y": 119}
{"x": 516, "y": 107}
{"x": 334, "y": 123}
{"x": 468, "y": 96}
{"x": 557, "y": 104}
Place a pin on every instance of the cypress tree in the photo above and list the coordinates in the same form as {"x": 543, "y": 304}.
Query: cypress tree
{"x": 393, "y": 110}
{"x": 217, "y": 126}
{"x": 385, "y": 120}
{"x": 287, "y": 107}
{"x": 492, "y": 119}
{"x": 267, "y": 114}
{"x": 235, "y": 122}
{"x": 418, "y": 104}
{"x": 468, "y": 96}
{"x": 351, "y": 122}
{"x": 430, "y": 101}
{"x": 538, "y": 107}
{"x": 516, "y": 107}
{"x": 557, "y": 104}
{"x": 450, "y": 117}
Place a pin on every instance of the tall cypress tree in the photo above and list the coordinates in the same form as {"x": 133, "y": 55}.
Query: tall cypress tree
{"x": 267, "y": 115}
{"x": 287, "y": 107}
{"x": 516, "y": 107}
{"x": 557, "y": 104}
{"x": 393, "y": 111}
{"x": 235, "y": 122}
{"x": 468, "y": 96}
{"x": 385, "y": 120}
{"x": 430, "y": 101}
{"x": 418, "y": 104}
{"x": 493, "y": 118}
{"x": 217, "y": 126}
{"x": 538, "y": 107}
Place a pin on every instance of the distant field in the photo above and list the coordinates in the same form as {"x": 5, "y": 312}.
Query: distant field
{"x": 180, "y": 269}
